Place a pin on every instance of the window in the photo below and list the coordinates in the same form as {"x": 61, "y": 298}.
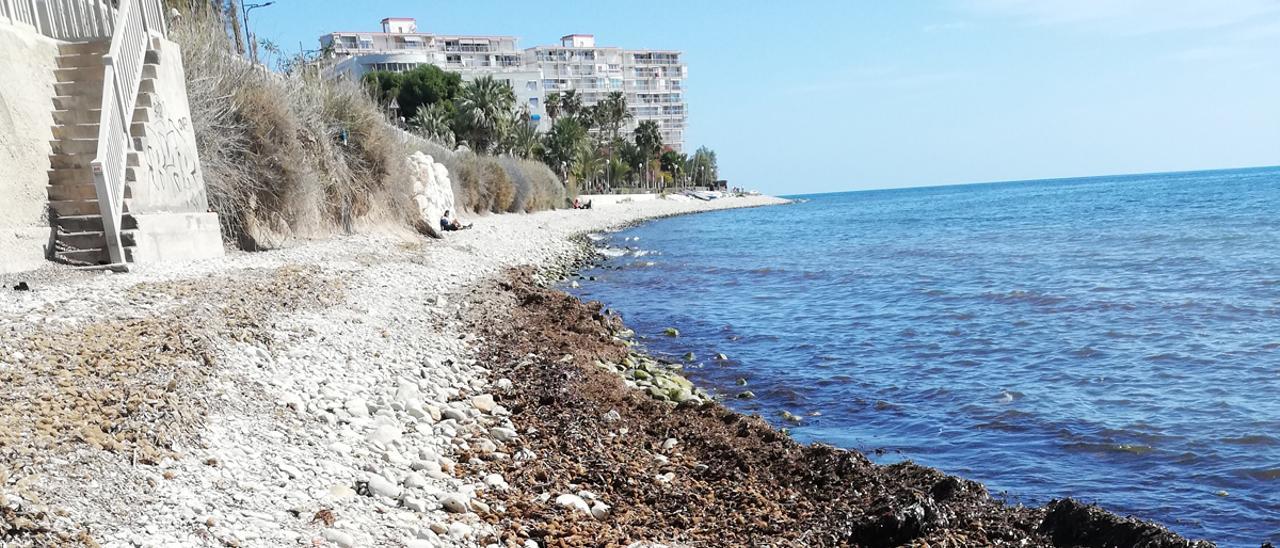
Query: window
{"x": 531, "y": 85}
{"x": 533, "y": 102}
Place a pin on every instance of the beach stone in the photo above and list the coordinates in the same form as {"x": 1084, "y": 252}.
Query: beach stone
{"x": 384, "y": 435}
{"x": 573, "y": 502}
{"x": 414, "y": 481}
{"x": 379, "y": 485}
{"x": 415, "y": 504}
{"x": 671, "y": 332}
{"x": 503, "y": 434}
{"x": 460, "y": 530}
{"x": 357, "y": 407}
{"x": 483, "y": 403}
{"x": 455, "y": 503}
{"x": 600, "y": 510}
{"x": 341, "y": 538}
{"x": 454, "y": 414}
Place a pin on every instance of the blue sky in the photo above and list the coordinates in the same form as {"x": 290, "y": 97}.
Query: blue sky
{"x": 818, "y": 96}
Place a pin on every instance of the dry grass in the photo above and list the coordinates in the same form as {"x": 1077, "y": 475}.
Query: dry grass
{"x": 287, "y": 155}
{"x": 491, "y": 184}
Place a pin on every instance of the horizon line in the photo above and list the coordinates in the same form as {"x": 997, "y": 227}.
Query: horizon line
{"x": 1046, "y": 179}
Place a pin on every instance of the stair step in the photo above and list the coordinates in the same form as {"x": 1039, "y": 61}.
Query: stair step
{"x": 90, "y": 257}
{"x": 70, "y": 176}
{"x": 78, "y": 116}
{"x": 92, "y": 239}
{"x": 80, "y": 60}
{"x": 91, "y": 223}
{"x": 74, "y": 146}
{"x": 100, "y": 47}
{"x": 79, "y": 75}
{"x": 149, "y": 71}
{"x": 82, "y": 192}
{"x": 74, "y": 207}
{"x": 77, "y": 102}
{"x": 76, "y": 131}
{"x": 71, "y": 161}
{"x": 78, "y": 88}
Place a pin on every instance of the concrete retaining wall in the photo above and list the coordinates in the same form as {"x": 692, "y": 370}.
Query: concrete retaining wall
{"x": 26, "y": 127}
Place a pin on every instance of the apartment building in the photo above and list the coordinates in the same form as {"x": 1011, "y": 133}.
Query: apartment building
{"x": 653, "y": 80}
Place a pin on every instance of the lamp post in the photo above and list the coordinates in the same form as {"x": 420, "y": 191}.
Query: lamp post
{"x": 253, "y": 42}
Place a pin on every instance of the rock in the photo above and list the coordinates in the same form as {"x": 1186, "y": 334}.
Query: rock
{"x": 456, "y": 504}
{"x": 340, "y": 492}
{"x": 379, "y": 486}
{"x": 460, "y": 530}
{"x": 425, "y": 466}
{"x": 439, "y": 528}
{"x": 432, "y": 192}
{"x": 357, "y": 407}
{"x": 690, "y": 356}
{"x": 573, "y": 502}
{"x": 599, "y": 510}
{"x": 669, "y": 443}
{"x": 746, "y": 395}
{"x": 454, "y": 414}
{"x": 612, "y": 416}
{"x": 503, "y": 434}
{"x": 419, "y": 543}
{"x": 722, "y": 358}
{"x": 415, "y": 504}
{"x": 414, "y": 481}
{"x": 671, "y": 332}
{"x": 666, "y": 478}
{"x": 479, "y": 506}
{"x": 384, "y": 435}
{"x": 483, "y": 403}
{"x": 504, "y": 384}
{"x": 496, "y": 482}
{"x": 343, "y": 539}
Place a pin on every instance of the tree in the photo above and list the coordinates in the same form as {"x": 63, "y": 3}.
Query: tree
{"x": 648, "y": 138}
{"x": 521, "y": 136}
{"x": 617, "y": 170}
{"x": 702, "y": 167}
{"x": 553, "y": 105}
{"x": 432, "y": 122}
{"x": 571, "y": 105}
{"x": 673, "y": 163}
{"x": 424, "y": 85}
{"x": 612, "y": 112}
{"x": 587, "y": 166}
{"x": 561, "y": 144}
{"x": 482, "y": 105}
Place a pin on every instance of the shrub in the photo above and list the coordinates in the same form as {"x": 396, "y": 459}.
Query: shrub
{"x": 290, "y": 154}
{"x": 502, "y": 184}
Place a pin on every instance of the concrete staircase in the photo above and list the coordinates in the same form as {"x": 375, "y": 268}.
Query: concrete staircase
{"x": 73, "y": 200}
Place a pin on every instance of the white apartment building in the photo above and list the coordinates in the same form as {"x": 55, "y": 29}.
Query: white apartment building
{"x": 653, "y": 80}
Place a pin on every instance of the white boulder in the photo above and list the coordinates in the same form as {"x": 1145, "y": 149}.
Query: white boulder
{"x": 432, "y": 192}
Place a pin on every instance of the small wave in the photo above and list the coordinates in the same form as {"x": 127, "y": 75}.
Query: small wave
{"x": 1010, "y": 396}
{"x": 1111, "y": 448}
{"x": 611, "y": 251}
{"x": 1255, "y": 439}
{"x": 1263, "y": 474}
{"x": 1023, "y": 296}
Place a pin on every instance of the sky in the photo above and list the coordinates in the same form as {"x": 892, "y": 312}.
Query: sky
{"x": 824, "y": 96}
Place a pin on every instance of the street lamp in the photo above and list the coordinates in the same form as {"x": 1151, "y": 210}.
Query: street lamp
{"x": 253, "y": 42}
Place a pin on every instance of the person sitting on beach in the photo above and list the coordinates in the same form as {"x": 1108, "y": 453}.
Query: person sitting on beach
{"x": 449, "y": 224}
{"x": 577, "y": 204}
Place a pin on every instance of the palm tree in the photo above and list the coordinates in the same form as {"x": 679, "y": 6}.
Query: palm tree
{"x": 432, "y": 122}
{"x": 614, "y": 112}
{"x": 482, "y": 103}
{"x": 617, "y": 170}
{"x": 571, "y": 103}
{"x": 587, "y": 166}
{"x": 521, "y": 136}
{"x": 648, "y": 138}
{"x": 553, "y": 106}
{"x": 562, "y": 143}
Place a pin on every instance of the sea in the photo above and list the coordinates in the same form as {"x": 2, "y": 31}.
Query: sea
{"x": 1112, "y": 339}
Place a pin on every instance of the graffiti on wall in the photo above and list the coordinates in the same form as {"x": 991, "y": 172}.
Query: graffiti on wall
{"x": 173, "y": 181}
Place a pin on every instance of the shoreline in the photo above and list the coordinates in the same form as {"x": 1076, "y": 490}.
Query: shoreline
{"x": 351, "y": 392}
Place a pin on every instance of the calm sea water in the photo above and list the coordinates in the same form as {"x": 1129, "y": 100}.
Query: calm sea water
{"x": 1112, "y": 339}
